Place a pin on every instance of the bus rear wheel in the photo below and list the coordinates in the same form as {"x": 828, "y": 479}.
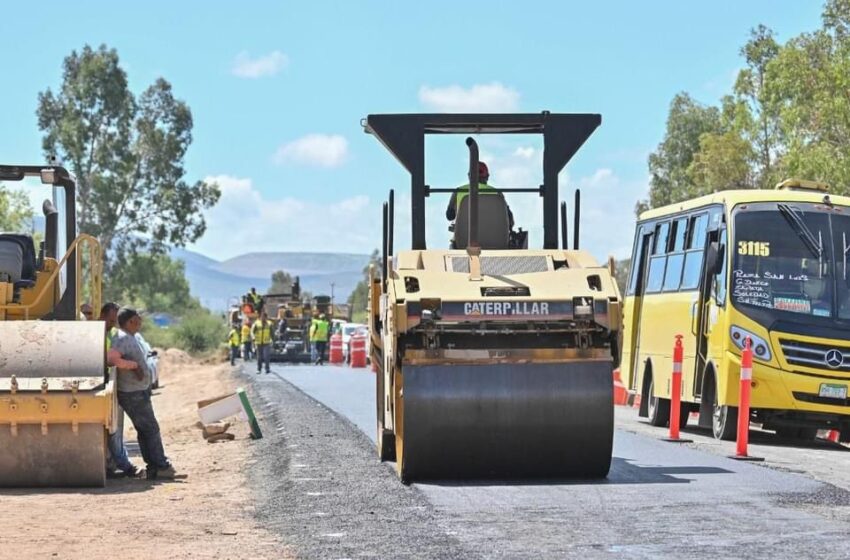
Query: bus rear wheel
{"x": 659, "y": 409}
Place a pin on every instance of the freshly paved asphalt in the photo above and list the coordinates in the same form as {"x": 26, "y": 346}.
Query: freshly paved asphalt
{"x": 660, "y": 500}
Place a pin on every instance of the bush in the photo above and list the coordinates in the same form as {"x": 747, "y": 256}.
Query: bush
{"x": 199, "y": 332}
{"x": 156, "y": 336}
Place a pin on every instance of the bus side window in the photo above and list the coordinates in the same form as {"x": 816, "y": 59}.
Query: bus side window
{"x": 636, "y": 272}
{"x": 659, "y": 243}
{"x": 720, "y": 279}
{"x": 676, "y": 256}
{"x": 695, "y": 251}
{"x": 655, "y": 278}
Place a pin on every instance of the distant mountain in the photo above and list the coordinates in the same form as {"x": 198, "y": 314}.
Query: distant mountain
{"x": 217, "y": 284}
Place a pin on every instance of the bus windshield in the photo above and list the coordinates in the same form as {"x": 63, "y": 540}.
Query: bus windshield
{"x": 792, "y": 257}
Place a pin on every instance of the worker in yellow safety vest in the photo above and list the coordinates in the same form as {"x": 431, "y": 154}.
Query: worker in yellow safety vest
{"x": 463, "y": 191}
{"x": 246, "y": 341}
{"x": 234, "y": 340}
{"x": 319, "y": 339}
{"x": 262, "y": 332}
{"x": 256, "y": 300}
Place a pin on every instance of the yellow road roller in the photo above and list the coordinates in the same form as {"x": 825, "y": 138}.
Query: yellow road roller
{"x": 56, "y": 405}
{"x": 493, "y": 360}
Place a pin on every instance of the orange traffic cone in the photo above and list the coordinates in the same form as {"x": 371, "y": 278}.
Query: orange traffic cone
{"x": 621, "y": 395}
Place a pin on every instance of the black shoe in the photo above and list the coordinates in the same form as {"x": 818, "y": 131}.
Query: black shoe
{"x": 268, "y": 371}
{"x": 131, "y": 472}
{"x": 167, "y": 471}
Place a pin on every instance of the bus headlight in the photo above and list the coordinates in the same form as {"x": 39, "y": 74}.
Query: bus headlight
{"x": 760, "y": 347}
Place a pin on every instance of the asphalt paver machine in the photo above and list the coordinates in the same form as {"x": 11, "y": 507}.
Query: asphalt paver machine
{"x": 493, "y": 360}
{"x": 56, "y": 403}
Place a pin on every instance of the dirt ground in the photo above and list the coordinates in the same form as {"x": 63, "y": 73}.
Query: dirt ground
{"x": 207, "y": 514}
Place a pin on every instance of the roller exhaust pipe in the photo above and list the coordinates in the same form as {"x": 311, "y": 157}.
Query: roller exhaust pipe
{"x": 473, "y": 196}
{"x": 51, "y": 228}
{"x": 576, "y": 219}
{"x": 564, "y": 239}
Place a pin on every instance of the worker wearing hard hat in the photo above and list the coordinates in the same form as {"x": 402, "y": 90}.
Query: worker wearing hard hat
{"x": 256, "y": 300}
{"x": 483, "y": 188}
{"x": 234, "y": 339}
{"x": 246, "y": 341}
{"x": 319, "y": 338}
{"x": 262, "y": 331}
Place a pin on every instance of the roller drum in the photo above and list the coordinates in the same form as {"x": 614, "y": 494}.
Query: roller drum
{"x": 60, "y": 458}
{"x": 55, "y": 410}
{"x": 551, "y": 420}
{"x": 38, "y": 349}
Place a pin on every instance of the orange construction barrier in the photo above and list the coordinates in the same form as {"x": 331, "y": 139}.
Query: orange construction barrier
{"x": 335, "y": 349}
{"x": 358, "y": 351}
{"x": 621, "y": 395}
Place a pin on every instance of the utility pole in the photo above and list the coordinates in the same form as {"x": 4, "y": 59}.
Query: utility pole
{"x": 332, "y": 297}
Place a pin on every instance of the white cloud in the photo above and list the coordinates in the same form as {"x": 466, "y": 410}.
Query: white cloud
{"x": 244, "y": 220}
{"x": 525, "y": 152}
{"x": 607, "y": 212}
{"x": 480, "y": 98}
{"x": 323, "y": 150}
{"x": 267, "y": 65}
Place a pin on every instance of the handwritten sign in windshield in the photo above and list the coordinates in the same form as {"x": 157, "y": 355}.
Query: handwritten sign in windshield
{"x": 760, "y": 289}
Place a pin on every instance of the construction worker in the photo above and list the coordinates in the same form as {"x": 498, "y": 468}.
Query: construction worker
{"x": 256, "y": 299}
{"x": 319, "y": 338}
{"x": 234, "y": 339}
{"x": 246, "y": 341}
{"x": 262, "y": 332}
{"x": 463, "y": 191}
{"x": 118, "y": 457}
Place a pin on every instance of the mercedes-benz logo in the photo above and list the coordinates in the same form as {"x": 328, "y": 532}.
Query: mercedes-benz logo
{"x": 834, "y": 358}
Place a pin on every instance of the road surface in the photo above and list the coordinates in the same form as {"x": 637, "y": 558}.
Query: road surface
{"x": 320, "y": 487}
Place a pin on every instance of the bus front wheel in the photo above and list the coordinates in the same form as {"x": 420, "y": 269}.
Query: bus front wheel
{"x": 724, "y": 421}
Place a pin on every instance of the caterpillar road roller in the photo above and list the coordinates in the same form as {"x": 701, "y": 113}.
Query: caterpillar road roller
{"x": 56, "y": 405}
{"x": 494, "y": 360}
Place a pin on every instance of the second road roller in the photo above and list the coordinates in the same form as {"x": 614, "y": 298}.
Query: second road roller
{"x": 57, "y": 405}
{"x": 493, "y": 360}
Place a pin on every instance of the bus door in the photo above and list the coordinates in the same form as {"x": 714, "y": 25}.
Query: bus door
{"x": 642, "y": 256}
{"x": 705, "y": 305}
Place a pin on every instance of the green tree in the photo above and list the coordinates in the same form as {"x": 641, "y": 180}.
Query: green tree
{"x": 15, "y": 211}
{"x": 127, "y": 155}
{"x": 722, "y": 162}
{"x": 281, "y": 282}
{"x": 152, "y": 282}
{"x": 687, "y": 121}
{"x": 756, "y": 114}
{"x": 810, "y": 78}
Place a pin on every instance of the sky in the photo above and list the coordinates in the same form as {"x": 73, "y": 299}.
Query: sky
{"x": 278, "y": 91}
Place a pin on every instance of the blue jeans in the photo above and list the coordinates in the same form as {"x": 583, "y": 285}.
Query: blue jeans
{"x": 116, "y": 444}
{"x": 138, "y": 406}
{"x": 264, "y": 355}
{"x": 234, "y": 353}
{"x": 318, "y": 353}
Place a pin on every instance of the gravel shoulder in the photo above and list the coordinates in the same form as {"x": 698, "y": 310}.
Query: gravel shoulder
{"x": 320, "y": 487}
{"x": 209, "y": 514}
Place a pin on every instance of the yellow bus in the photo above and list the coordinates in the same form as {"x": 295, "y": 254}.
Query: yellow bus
{"x": 770, "y": 265}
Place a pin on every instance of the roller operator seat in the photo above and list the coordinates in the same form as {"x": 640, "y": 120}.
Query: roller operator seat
{"x": 17, "y": 259}
{"x": 494, "y": 229}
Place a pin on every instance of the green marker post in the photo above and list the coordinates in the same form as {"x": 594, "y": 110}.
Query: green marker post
{"x": 256, "y": 433}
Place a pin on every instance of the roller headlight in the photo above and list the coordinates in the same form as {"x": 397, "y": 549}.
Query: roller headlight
{"x": 759, "y": 346}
